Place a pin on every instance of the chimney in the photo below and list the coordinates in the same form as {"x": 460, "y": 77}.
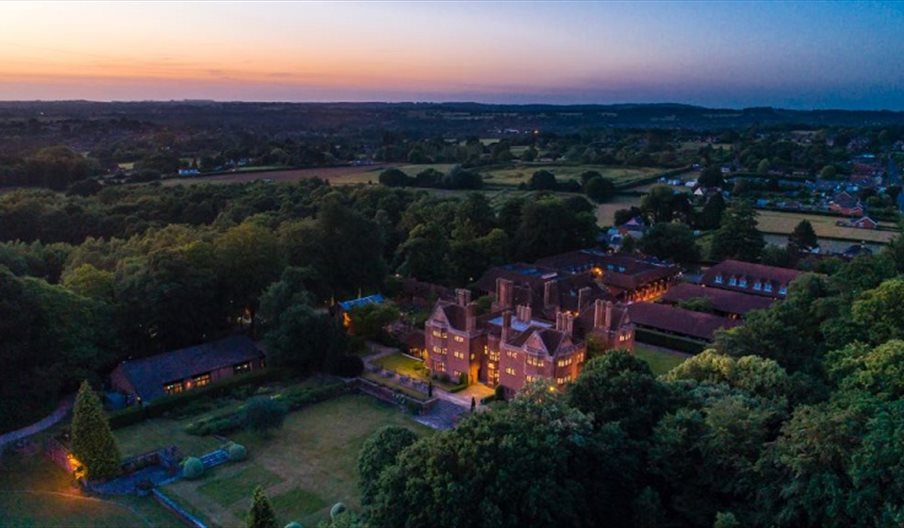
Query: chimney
{"x": 470, "y": 316}
{"x": 598, "y": 313}
{"x": 607, "y": 318}
{"x": 547, "y": 293}
{"x": 506, "y": 325}
{"x": 463, "y": 296}
{"x": 503, "y": 293}
{"x": 583, "y": 297}
{"x": 523, "y": 313}
{"x": 565, "y": 323}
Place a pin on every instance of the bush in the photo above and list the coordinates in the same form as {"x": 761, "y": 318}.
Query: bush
{"x": 337, "y": 509}
{"x": 263, "y": 414}
{"x": 668, "y": 341}
{"x": 499, "y": 393}
{"x": 236, "y": 452}
{"x": 192, "y": 468}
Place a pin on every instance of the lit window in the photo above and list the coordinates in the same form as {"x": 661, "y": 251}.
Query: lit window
{"x": 202, "y": 380}
{"x": 535, "y": 362}
{"x": 510, "y": 371}
{"x": 459, "y": 339}
{"x": 173, "y": 388}
{"x": 241, "y": 368}
{"x": 458, "y": 355}
{"x": 767, "y": 287}
{"x": 719, "y": 279}
{"x": 757, "y": 286}
{"x": 782, "y": 290}
{"x": 440, "y": 367}
{"x": 437, "y": 333}
{"x": 732, "y": 281}
{"x": 743, "y": 283}
{"x": 473, "y": 357}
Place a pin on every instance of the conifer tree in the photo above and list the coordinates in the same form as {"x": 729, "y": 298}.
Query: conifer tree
{"x": 261, "y": 514}
{"x": 93, "y": 443}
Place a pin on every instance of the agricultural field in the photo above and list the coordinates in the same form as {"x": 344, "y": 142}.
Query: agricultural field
{"x": 516, "y": 175}
{"x": 783, "y": 223}
{"x": 306, "y": 466}
{"x": 35, "y": 493}
{"x": 336, "y": 175}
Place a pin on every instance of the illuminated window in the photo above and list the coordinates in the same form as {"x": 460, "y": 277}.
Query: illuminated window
{"x": 241, "y": 368}
{"x": 564, "y": 362}
{"x": 718, "y": 279}
{"x": 473, "y": 357}
{"x": 173, "y": 388}
{"x": 510, "y": 371}
{"x": 437, "y": 333}
{"x": 534, "y": 362}
{"x": 202, "y": 380}
{"x": 511, "y": 354}
{"x": 531, "y": 379}
{"x": 459, "y": 339}
{"x": 732, "y": 281}
{"x": 768, "y": 287}
{"x": 459, "y": 355}
{"x": 742, "y": 283}
{"x": 782, "y": 290}
{"x": 440, "y": 367}
{"x": 757, "y": 286}
{"x": 456, "y": 373}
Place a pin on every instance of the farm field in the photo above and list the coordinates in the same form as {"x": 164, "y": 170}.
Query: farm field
{"x": 782, "y": 223}
{"x": 521, "y": 174}
{"x": 35, "y": 493}
{"x": 305, "y": 467}
{"x": 336, "y": 175}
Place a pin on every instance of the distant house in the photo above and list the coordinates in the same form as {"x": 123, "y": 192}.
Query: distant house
{"x": 845, "y": 204}
{"x": 189, "y": 172}
{"x": 864, "y": 223}
{"x": 754, "y": 279}
{"x": 635, "y": 228}
{"x": 153, "y": 377}
{"x": 678, "y": 321}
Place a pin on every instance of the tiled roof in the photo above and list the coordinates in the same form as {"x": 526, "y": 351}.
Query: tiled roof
{"x": 727, "y": 301}
{"x": 751, "y": 273}
{"x": 678, "y": 320}
{"x": 361, "y": 301}
{"x": 148, "y": 375}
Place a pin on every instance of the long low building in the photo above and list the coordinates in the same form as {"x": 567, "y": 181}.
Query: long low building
{"x": 726, "y": 303}
{"x": 146, "y": 379}
{"x": 678, "y": 321}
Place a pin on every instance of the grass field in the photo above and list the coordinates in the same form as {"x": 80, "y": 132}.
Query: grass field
{"x": 305, "y": 467}
{"x": 521, "y": 174}
{"x": 783, "y": 223}
{"x": 660, "y": 361}
{"x": 34, "y": 492}
{"x": 336, "y": 175}
{"x": 605, "y": 213}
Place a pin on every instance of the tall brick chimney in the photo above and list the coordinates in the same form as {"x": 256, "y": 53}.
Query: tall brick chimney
{"x": 463, "y": 296}
{"x": 602, "y": 314}
{"x": 565, "y": 323}
{"x": 470, "y": 316}
{"x": 506, "y": 325}
{"x": 583, "y": 297}
{"x": 523, "y": 313}
{"x": 547, "y": 293}
{"x": 504, "y": 293}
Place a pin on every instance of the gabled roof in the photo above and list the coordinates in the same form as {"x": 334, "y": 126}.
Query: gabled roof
{"x": 845, "y": 200}
{"x": 726, "y": 301}
{"x": 148, "y": 375}
{"x": 777, "y": 277}
{"x": 551, "y": 338}
{"x": 678, "y": 320}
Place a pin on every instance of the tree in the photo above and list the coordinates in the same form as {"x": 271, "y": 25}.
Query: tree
{"x": 671, "y": 241}
{"x": 829, "y": 172}
{"x": 369, "y": 320}
{"x": 261, "y": 514}
{"x": 663, "y": 204}
{"x": 803, "y": 238}
{"x": 599, "y": 189}
{"x": 93, "y": 443}
{"x": 263, "y": 414}
{"x": 763, "y": 166}
{"x": 394, "y": 178}
{"x": 543, "y": 180}
{"x": 380, "y": 450}
{"x": 881, "y": 311}
{"x": 548, "y": 227}
{"x": 711, "y": 215}
{"x": 711, "y": 176}
{"x": 738, "y": 237}
{"x": 305, "y": 340}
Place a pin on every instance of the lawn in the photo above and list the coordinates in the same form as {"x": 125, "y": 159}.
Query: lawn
{"x": 305, "y": 467}
{"x": 783, "y": 223}
{"x": 404, "y": 365}
{"x": 659, "y": 360}
{"x": 34, "y": 492}
{"x": 159, "y": 432}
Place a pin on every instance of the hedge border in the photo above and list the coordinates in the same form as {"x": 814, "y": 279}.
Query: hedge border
{"x": 652, "y": 337}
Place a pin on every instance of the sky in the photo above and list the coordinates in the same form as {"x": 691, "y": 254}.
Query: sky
{"x": 803, "y": 55}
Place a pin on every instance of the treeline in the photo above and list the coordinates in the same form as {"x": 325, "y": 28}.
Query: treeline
{"x": 91, "y": 280}
{"x": 792, "y": 420}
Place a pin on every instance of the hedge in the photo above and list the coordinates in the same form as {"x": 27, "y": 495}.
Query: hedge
{"x": 673, "y": 342}
{"x": 159, "y": 407}
{"x": 294, "y": 398}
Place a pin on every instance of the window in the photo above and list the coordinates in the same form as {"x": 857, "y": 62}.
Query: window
{"x": 202, "y": 380}
{"x": 510, "y": 371}
{"x": 173, "y": 388}
{"x": 473, "y": 357}
{"x": 782, "y": 290}
{"x": 718, "y": 279}
{"x": 440, "y": 367}
{"x": 511, "y": 354}
{"x": 534, "y": 362}
{"x": 579, "y": 358}
{"x": 564, "y": 362}
{"x": 458, "y": 354}
{"x": 742, "y": 283}
{"x": 562, "y": 381}
{"x": 757, "y": 286}
{"x": 531, "y": 379}
{"x": 493, "y": 356}
{"x": 767, "y": 287}
{"x": 732, "y": 281}
{"x": 456, "y": 374}
{"x": 459, "y": 339}
{"x": 241, "y": 368}
{"x": 622, "y": 338}
{"x": 437, "y": 333}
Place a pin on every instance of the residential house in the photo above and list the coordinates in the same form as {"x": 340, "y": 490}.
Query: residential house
{"x": 845, "y": 204}
{"x": 747, "y": 277}
{"x": 146, "y": 379}
{"x": 864, "y": 223}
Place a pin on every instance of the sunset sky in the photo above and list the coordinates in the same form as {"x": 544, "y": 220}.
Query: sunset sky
{"x": 798, "y": 55}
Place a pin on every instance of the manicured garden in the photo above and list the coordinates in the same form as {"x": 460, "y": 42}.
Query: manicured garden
{"x": 305, "y": 467}
{"x": 413, "y": 368}
{"x": 660, "y": 361}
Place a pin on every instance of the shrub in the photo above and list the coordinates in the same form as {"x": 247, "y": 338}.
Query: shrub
{"x": 263, "y": 414}
{"x": 192, "y": 468}
{"x": 348, "y": 366}
{"x": 336, "y": 510}
{"x": 236, "y": 452}
{"x": 499, "y": 393}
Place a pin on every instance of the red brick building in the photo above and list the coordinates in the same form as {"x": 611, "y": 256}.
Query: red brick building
{"x": 747, "y": 277}
{"x": 512, "y": 346}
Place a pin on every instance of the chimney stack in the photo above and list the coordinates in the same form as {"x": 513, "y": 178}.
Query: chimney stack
{"x": 599, "y": 307}
{"x": 523, "y": 313}
{"x": 470, "y": 316}
{"x": 503, "y": 293}
{"x": 583, "y": 297}
{"x": 506, "y": 325}
{"x": 463, "y": 296}
{"x": 547, "y": 293}
{"x": 565, "y": 323}
{"x": 607, "y": 318}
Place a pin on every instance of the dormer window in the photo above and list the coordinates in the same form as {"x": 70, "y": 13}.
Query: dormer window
{"x": 768, "y": 287}
{"x": 718, "y": 279}
{"x": 732, "y": 281}
{"x": 782, "y": 290}
{"x": 757, "y": 286}
{"x": 742, "y": 283}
